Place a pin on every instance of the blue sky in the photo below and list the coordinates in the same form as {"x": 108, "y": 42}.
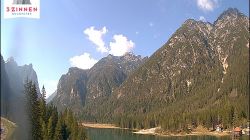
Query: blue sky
{"x": 80, "y": 32}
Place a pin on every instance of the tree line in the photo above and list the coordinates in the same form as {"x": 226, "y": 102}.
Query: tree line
{"x": 209, "y": 103}
{"x": 45, "y": 122}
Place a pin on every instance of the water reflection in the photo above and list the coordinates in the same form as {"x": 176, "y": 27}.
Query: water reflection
{"x": 119, "y": 134}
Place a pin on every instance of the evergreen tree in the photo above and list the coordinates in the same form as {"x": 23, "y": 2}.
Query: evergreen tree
{"x": 235, "y": 118}
{"x": 58, "y": 131}
{"x": 43, "y": 104}
{"x": 44, "y": 131}
{"x": 32, "y": 104}
{"x": 50, "y": 128}
{"x": 45, "y": 122}
{"x": 81, "y": 134}
{"x": 37, "y": 135}
{"x": 74, "y": 131}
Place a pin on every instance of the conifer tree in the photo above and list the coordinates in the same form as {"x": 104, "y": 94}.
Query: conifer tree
{"x": 43, "y": 104}
{"x": 58, "y": 130}
{"x": 44, "y": 131}
{"x": 33, "y": 110}
{"x": 36, "y": 114}
{"x": 50, "y": 128}
{"x": 45, "y": 122}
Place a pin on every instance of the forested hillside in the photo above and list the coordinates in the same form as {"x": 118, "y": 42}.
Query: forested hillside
{"x": 79, "y": 87}
{"x": 199, "y": 77}
{"x": 44, "y": 122}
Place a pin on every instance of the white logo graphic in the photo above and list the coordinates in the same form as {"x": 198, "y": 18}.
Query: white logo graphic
{"x": 22, "y": 8}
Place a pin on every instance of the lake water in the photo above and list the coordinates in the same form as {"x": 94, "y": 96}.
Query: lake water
{"x": 120, "y": 134}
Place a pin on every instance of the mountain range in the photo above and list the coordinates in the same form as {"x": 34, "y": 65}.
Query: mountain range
{"x": 201, "y": 72}
{"x": 200, "y": 76}
{"x": 202, "y": 69}
{"x": 79, "y": 87}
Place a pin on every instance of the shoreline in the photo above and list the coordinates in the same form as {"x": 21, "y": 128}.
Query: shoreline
{"x": 99, "y": 125}
{"x": 153, "y": 131}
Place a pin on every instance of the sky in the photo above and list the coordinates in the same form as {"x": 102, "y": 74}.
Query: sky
{"x": 78, "y": 33}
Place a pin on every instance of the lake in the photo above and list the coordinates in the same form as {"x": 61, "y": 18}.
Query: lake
{"x": 121, "y": 134}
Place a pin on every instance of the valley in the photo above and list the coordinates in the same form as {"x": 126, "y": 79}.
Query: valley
{"x": 195, "y": 86}
{"x": 198, "y": 78}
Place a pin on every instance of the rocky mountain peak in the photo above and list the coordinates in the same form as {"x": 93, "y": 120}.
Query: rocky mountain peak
{"x": 189, "y": 22}
{"x": 200, "y": 26}
{"x": 77, "y": 86}
{"x": 129, "y": 56}
{"x": 11, "y": 61}
{"x": 110, "y": 56}
{"x": 18, "y": 75}
{"x": 230, "y": 12}
{"x": 30, "y": 66}
{"x": 74, "y": 70}
{"x": 229, "y": 17}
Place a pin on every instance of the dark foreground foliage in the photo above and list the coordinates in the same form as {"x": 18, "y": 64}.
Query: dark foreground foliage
{"x": 45, "y": 122}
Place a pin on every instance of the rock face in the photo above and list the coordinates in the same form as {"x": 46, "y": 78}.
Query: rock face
{"x": 13, "y": 78}
{"x": 109, "y": 73}
{"x": 202, "y": 65}
{"x": 50, "y": 98}
{"x": 195, "y": 51}
{"x": 71, "y": 90}
{"x": 18, "y": 75}
{"x": 79, "y": 87}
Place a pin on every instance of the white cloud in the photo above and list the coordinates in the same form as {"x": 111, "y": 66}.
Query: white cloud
{"x": 118, "y": 47}
{"x": 207, "y": 5}
{"x": 121, "y": 45}
{"x": 95, "y": 36}
{"x": 83, "y": 61}
{"x": 201, "y": 18}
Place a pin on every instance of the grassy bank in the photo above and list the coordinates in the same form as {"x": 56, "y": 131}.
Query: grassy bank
{"x": 8, "y": 129}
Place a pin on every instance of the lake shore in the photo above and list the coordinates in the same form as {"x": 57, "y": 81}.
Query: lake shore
{"x": 198, "y": 132}
{"x": 185, "y": 134}
{"x": 155, "y": 131}
{"x": 99, "y": 125}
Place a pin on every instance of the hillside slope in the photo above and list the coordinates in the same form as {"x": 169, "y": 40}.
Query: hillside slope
{"x": 199, "y": 77}
{"x": 79, "y": 87}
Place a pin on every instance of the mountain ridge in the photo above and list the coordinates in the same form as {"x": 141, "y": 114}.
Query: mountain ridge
{"x": 13, "y": 99}
{"x": 99, "y": 81}
{"x": 198, "y": 66}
